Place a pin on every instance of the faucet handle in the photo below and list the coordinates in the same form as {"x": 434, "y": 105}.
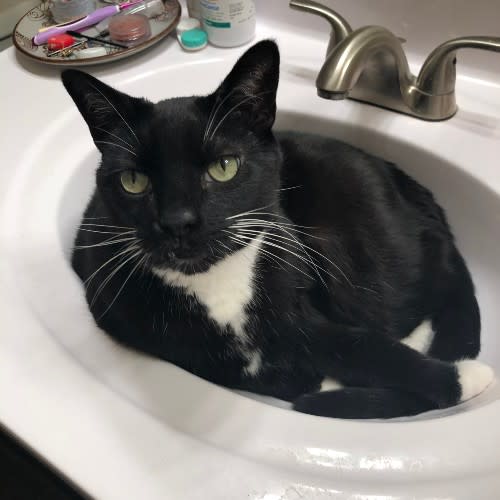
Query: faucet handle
{"x": 340, "y": 27}
{"x": 437, "y": 75}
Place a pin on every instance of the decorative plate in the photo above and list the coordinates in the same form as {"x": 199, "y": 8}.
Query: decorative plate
{"x": 40, "y": 17}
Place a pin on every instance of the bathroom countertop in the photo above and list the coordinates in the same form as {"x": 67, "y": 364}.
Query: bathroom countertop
{"x": 76, "y": 422}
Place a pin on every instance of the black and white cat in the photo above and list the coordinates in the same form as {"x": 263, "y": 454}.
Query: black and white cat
{"x": 272, "y": 263}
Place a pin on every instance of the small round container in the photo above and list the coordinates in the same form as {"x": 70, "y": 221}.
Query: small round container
{"x": 186, "y": 24}
{"x": 195, "y": 39}
{"x": 131, "y": 29}
{"x": 150, "y": 8}
{"x": 68, "y": 10}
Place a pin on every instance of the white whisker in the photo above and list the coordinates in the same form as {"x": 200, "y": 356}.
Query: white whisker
{"x": 291, "y": 224}
{"x": 107, "y": 225}
{"x": 117, "y": 145}
{"x": 263, "y": 222}
{"x": 128, "y": 248}
{"x": 213, "y": 114}
{"x": 287, "y": 231}
{"x": 112, "y": 274}
{"x": 294, "y": 242}
{"x": 250, "y": 211}
{"x": 103, "y": 243}
{"x": 224, "y": 246}
{"x": 241, "y": 242}
{"x": 309, "y": 261}
{"x": 119, "y": 233}
{"x": 114, "y": 135}
{"x": 297, "y": 245}
{"x": 117, "y": 112}
{"x": 288, "y": 188}
{"x": 266, "y": 255}
{"x": 221, "y": 121}
{"x": 141, "y": 261}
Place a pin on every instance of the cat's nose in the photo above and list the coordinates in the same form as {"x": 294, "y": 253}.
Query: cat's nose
{"x": 179, "y": 222}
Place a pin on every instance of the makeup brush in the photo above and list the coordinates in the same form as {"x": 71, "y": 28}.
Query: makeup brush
{"x": 94, "y": 39}
{"x": 98, "y": 15}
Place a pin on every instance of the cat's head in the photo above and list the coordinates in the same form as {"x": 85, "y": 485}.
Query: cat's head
{"x": 182, "y": 170}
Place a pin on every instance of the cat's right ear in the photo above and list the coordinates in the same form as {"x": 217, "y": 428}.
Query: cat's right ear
{"x": 249, "y": 90}
{"x": 106, "y": 110}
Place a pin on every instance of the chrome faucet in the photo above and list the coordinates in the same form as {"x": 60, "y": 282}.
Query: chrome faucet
{"x": 369, "y": 65}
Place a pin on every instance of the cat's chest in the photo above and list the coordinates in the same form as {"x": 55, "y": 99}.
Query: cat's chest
{"x": 225, "y": 290}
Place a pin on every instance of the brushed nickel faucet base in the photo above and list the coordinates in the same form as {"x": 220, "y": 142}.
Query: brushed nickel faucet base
{"x": 369, "y": 65}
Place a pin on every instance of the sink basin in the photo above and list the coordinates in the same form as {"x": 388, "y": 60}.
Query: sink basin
{"x": 123, "y": 425}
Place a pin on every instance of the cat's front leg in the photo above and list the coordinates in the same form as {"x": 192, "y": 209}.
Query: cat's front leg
{"x": 373, "y": 359}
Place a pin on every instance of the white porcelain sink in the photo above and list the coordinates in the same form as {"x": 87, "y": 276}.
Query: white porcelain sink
{"x": 123, "y": 425}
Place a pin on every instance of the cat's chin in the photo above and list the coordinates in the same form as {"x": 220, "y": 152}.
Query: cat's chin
{"x": 190, "y": 266}
{"x": 186, "y": 265}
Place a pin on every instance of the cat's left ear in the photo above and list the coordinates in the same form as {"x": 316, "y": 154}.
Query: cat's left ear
{"x": 249, "y": 91}
{"x": 107, "y": 111}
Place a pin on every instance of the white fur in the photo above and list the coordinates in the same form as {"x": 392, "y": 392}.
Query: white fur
{"x": 421, "y": 338}
{"x": 330, "y": 384}
{"x": 254, "y": 363}
{"x": 225, "y": 289}
{"x": 473, "y": 377}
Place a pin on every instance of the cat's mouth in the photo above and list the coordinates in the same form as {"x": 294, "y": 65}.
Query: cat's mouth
{"x": 190, "y": 265}
{"x": 185, "y": 258}
{"x": 188, "y": 257}
{"x": 188, "y": 261}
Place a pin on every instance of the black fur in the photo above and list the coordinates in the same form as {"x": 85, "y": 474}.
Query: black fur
{"x": 389, "y": 258}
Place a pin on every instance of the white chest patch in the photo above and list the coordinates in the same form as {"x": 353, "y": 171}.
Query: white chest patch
{"x": 225, "y": 289}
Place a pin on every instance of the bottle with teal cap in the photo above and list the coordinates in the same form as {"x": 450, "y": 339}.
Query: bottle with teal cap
{"x": 228, "y": 23}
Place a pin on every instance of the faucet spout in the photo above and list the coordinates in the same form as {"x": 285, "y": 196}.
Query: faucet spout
{"x": 362, "y": 51}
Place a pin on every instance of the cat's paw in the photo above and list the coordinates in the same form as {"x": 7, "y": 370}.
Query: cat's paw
{"x": 473, "y": 377}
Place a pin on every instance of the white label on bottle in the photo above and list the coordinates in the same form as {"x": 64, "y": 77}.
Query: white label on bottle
{"x": 224, "y": 13}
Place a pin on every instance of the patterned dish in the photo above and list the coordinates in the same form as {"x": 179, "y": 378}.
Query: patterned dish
{"x": 40, "y": 16}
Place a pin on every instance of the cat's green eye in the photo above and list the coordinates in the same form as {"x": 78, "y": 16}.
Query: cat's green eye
{"x": 224, "y": 169}
{"x": 134, "y": 182}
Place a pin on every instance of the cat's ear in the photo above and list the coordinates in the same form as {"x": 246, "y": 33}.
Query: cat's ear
{"x": 107, "y": 111}
{"x": 250, "y": 88}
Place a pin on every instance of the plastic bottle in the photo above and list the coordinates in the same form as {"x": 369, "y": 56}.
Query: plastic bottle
{"x": 228, "y": 23}
{"x": 194, "y": 9}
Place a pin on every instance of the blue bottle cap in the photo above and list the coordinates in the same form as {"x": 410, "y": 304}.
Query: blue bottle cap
{"x": 193, "y": 39}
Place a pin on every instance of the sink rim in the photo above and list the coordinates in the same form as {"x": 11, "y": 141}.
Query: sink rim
{"x": 265, "y": 436}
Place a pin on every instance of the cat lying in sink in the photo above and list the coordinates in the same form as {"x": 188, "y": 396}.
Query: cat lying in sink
{"x": 284, "y": 264}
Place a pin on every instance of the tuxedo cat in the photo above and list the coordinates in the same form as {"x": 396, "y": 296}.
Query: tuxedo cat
{"x": 284, "y": 264}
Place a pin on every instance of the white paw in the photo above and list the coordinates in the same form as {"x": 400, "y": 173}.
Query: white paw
{"x": 330, "y": 384}
{"x": 473, "y": 377}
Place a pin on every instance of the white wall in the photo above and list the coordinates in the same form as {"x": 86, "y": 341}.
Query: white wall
{"x": 423, "y": 23}
{"x": 11, "y": 11}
